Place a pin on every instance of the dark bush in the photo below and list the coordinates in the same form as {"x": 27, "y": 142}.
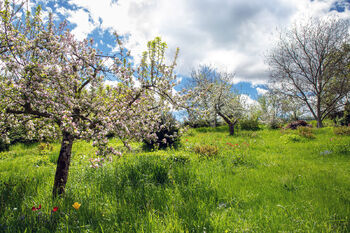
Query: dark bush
{"x": 249, "y": 124}
{"x": 3, "y": 145}
{"x": 167, "y": 136}
{"x": 296, "y": 124}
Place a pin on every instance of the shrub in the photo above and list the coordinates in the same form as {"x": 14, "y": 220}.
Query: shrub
{"x": 168, "y": 135}
{"x": 296, "y": 124}
{"x": 342, "y": 130}
{"x": 206, "y": 150}
{"x": 249, "y": 124}
{"x": 305, "y": 132}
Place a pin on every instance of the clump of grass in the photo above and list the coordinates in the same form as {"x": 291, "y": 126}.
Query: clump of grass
{"x": 206, "y": 150}
{"x": 291, "y": 138}
{"x": 342, "y": 130}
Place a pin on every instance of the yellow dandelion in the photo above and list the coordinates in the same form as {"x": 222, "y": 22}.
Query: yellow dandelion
{"x": 76, "y": 205}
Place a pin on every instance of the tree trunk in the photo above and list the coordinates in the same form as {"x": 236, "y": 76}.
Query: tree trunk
{"x": 232, "y": 128}
{"x": 319, "y": 122}
{"x": 63, "y": 165}
{"x": 319, "y": 115}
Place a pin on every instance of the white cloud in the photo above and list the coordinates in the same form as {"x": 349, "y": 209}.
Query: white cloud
{"x": 84, "y": 25}
{"x": 231, "y": 35}
{"x": 247, "y": 101}
{"x": 261, "y": 91}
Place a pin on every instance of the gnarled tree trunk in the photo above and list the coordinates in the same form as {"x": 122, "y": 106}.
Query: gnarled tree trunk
{"x": 231, "y": 123}
{"x": 63, "y": 162}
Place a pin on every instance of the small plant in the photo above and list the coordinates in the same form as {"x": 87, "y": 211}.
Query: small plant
{"x": 306, "y": 132}
{"x": 291, "y": 138}
{"x": 181, "y": 159}
{"x": 206, "y": 150}
{"x": 342, "y": 130}
{"x": 44, "y": 148}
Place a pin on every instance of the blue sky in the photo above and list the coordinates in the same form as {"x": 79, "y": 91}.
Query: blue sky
{"x": 232, "y": 35}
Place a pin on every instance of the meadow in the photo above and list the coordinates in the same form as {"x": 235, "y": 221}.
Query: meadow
{"x": 255, "y": 181}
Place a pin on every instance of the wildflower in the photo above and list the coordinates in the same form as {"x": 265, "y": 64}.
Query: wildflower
{"x": 55, "y": 208}
{"x": 35, "y": 209}
{"x": 76, "y": 205}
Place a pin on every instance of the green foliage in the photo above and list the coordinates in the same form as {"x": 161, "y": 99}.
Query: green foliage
{"x": 206, "y": 150}
{"x": 342, "y": 130}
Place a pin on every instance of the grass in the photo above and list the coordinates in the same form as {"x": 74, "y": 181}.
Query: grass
{"x": 261, "y": 181}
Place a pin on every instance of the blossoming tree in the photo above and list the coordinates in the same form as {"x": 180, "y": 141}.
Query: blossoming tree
{"x": 212, "y": 95}
{"x": 54, "y": 85}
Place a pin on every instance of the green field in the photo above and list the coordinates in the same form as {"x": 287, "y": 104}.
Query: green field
{"x": 261, "y": 181}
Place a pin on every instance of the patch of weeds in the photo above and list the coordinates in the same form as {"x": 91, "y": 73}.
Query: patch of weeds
{"x": 306, "y": 132}
{"x": 342, "y": 130}
{"x": 44, "y": 148}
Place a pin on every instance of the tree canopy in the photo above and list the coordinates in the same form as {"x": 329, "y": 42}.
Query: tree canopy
{"x": 54, "y": 85}
{"x": 311, "y": 63}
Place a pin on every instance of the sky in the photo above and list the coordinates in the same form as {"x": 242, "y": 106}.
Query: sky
{"x": 232, "y": 35}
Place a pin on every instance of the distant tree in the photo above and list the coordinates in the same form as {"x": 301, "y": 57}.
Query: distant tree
{"x": 203, "y": 77}
{"x": 276, "y": 108}
{"x": 271, "y": 107}
{"x": 310, "y": 64}
{"x": 213, "y": 96}
{"x": 54, "y": 86}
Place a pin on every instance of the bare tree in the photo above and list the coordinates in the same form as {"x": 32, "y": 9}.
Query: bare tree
{"x": 311, "y": 63}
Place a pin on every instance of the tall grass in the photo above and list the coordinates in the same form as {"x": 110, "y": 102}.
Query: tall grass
{"x": 256, "y": 182}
